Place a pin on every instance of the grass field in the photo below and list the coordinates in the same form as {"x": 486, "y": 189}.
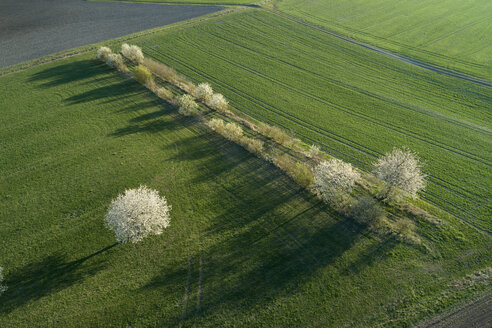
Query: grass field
{"x": 195, "y": 2}
{"x": 245, "y": 247}
{"x": 353, "y": 102}
{"x": 452, "y": 33}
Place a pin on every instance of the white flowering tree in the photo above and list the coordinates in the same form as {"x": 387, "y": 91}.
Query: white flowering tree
{"x": 2, "y": 287}
{"x": 400, "y": 170}
{"x": 218, "y": 102}
{"x": 334, "y": 180}
{"x": 133, "y": 53}
{"x": 137, "y": 214}
{"x": 187, "y": 105}
{"x": 103, "y": 52}
{"x": 203, "y": 92}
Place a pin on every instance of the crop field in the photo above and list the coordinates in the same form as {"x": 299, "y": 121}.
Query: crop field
{"x": 353, "y": 102}
{"x": 194, "y": 2}
{"x": 31, "y": 29}
{"x": 246, "y": 245}
{"x": 451, "y": 33}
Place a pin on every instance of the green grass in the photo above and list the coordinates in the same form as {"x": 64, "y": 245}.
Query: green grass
{"x": 246, "y": 245}
{"x": 453, "y": 33}
{"x": 192, "y": 2}
{"x": 353, "y": 102}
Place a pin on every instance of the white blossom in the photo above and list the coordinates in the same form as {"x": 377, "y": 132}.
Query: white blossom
{"x": 114, "y": 60}
{"x": 218, "y": 102}
{"x": 138, "y": 213}
{"x": 401, "y": 170}
{"x": 103, "y": 52}
{"x": 133, "y": 53}
{"x": 203, "y": 92}
{"x": 187, "y": 105}
{"x": 334, "y": 179}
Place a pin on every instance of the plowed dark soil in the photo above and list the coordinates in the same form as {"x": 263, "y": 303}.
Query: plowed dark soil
{"x": 32, "y": 29}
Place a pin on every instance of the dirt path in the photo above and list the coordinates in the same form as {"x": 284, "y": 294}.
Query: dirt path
{"x": 429, "y": 67}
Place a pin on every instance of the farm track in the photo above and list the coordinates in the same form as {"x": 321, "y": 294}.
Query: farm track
{"x": 376, "y": 121}
{"x": 446, "y": 185}
{"x": 407, "y": 60}
{"x": 396, "y": 43}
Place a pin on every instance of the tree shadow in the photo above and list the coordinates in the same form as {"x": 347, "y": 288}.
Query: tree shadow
{"x": 50, "y": 275}
{"x": 69, "y": 72}
{"x": 112, "y": 92}
{"x": 272, "y": 245}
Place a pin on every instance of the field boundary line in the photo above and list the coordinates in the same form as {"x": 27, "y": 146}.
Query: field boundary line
{"x": 112, "y": 42}
{"x": 414, "y": 62}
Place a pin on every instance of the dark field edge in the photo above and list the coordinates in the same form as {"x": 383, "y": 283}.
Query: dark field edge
{"x": 113, "y": 42}
{"x": 184, "y": 3}
{"x": 468, "y": 311}
{"x": 428, "y": 66}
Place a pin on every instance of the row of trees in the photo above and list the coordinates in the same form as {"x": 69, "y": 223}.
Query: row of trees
{"x": 399, "y": 171}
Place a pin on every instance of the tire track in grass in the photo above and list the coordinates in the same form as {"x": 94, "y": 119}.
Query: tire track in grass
{"x": 200, "y": 288}
{"x": 349, "y": 111}
{"x": 434, "y": 68}
{"x": 187, "y": 293}
{"x": 353, "y": 88}
{"x": 379, "y": 154}
{"x": 394, "y": 42}
{"x": 308, "y": 126}
{"x": 271, "y": 108}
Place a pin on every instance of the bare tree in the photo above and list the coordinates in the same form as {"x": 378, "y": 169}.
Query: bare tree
{"x": 400, "y": 170}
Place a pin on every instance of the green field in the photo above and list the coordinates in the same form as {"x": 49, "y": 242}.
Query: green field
{"x": 245, "y": 247}
{"x": 192, "y": 2}
{"x": 454, "y": 34}
{"x": 353, "y": 102}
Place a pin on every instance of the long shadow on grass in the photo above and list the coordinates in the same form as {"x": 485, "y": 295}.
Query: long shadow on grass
{"x": 50, "y": 275}
{"x": 271, "y": 236}
{"x": 70, "y": 72}
{"x": 115, "y": 91}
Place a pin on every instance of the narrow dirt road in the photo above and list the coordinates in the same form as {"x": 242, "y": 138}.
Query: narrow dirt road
{"x": 429, "y": 67}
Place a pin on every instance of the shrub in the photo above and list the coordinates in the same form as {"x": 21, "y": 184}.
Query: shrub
{"x": 185, "y": 85}
{"x": 303, "y": 174}
{"x": 366, "y": 211}
{"x": 218, "y": 102}
{"x": 299, "y": 172}
{"x": 334, "y": 180}
{"x": 254, "y": 146}
{"x": 2, "y": 287}
{"x": 404, "y": 228}
{"x": 187, "y": 105}
{"x": 103, "y": 52}
{"x": 276, "y": 133}
{"x": 164, "y": 93}
{"x": 133, "y": 53}
{"x": 115, "y": 60}
{"x": 161, "y": 70}
{"x": 401, "y": 170}
{"x": 137, "y": 214}
{"x": 142, "y": 74}
{"x": 203, "y": 92}
{"x": 216, "y": 124}
{"x": 232, "y": 131}
{"x": 314, "y": 151}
